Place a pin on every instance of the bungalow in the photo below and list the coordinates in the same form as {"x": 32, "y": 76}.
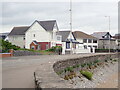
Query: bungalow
{"x": 105, "y": 40}
{"x": 41, "y": 35}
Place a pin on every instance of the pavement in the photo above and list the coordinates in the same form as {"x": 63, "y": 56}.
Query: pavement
{"x": 17, "y": 72}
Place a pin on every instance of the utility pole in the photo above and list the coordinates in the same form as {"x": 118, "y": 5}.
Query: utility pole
{"x": 109, "y": 31}
{"x": 71, "y": 46}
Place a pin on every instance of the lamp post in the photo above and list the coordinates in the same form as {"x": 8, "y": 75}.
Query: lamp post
{"x": 109, "y": 31}
{"x": 71, "y": 26}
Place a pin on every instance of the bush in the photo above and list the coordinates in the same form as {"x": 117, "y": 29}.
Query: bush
{"x": 105, "y": 50}
{"x": 68, "y": 69}
{"x": 57, "y": 49}
{"x": 7, "y": 45}
{"x": 96, "y": 61}
{"x": 83, "y": 65}
{"x": 87, "y": 74}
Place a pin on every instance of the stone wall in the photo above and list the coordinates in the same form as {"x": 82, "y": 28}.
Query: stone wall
{"x": 60, "y": 65}
{"x": 24, "y": 53}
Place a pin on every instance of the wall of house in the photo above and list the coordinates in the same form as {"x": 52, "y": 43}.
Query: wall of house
{"x": 17, "y": 40}
{"x": 104, "y": 44}
{"x": 87, "y": 44}
{"x": 43, "y": 45}
{"x": 41, "y": 35}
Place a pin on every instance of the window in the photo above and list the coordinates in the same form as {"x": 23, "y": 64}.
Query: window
{"x": 90, "y": 46}
{"x": 47, "y": 47}
{"x": 84, "y": 40}
{"x": 89, "y": 41}
{"x": 94, "y": 41}
{"x": 58, "y": 38}
{"x": 32, "y": 47}
{"x": 33, "y": 35}
{"x": 67, "y": 45}
{"x": 85, "y": 47}
{"x": 95, "y": 47}
{"x": 23, "y": 38}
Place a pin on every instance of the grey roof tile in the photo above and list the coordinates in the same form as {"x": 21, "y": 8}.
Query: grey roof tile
{"x": 64, "y": 35}
{"x": 19, "y": 30}
{"x": 99, "y": 35}
{"x": 47, "y": 25}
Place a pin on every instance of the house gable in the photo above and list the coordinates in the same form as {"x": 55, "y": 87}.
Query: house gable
{"x": 36, "y": 33}
{"x": 55, "y": 28}
{"x": 70, "y": 36}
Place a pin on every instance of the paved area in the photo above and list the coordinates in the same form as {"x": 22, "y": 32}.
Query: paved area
{"x": 17, "y": 72}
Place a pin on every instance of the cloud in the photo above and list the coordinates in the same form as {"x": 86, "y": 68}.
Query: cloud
{"x": 87, "y": 16}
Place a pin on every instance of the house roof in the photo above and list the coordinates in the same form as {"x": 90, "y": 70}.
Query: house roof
{"x": 99, "y": 35}
{"x": 79, "y": 34}
{"x": 117, "y": 36}
{"x": 19, "y": 30}
{"x": 35, "y": 42}
{"x": 47, "y": 25}
{"x": 64, "y": 34}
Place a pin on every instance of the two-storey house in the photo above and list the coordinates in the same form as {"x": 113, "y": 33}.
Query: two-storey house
{"x": 105, "y": 40}
{"x": 41, "y": 35}
{"x": 87, "y": 43}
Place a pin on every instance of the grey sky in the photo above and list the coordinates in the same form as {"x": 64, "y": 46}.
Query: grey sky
{"x": 87, "y": 16}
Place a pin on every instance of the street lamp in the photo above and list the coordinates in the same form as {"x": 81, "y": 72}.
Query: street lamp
{"x": 71, "y": 26}
{"x": 109, "y": 31}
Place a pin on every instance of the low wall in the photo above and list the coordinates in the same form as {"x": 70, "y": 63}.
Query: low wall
{"x": 24, "y": 53}
{"x": 60, "y": 65}
{"x": 3, "y": 55}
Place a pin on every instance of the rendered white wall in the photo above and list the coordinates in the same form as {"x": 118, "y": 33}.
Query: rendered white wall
{"x": 17, "y": 40}
{"x": 41, "y": 35}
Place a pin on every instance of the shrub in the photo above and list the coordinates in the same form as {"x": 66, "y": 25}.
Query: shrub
{"x": 83, "y": 65}
{"x": 69, "y": 69}
{"x": 7, "y": 45}
{"x": 60, "y": 72}
{"x": 87, "y": 74}
{"x": 105, "y": 50}
{"x": 96, "y": 61}
{"x": 57, "y": 49}
{"x": 76, "y": 66}
{"x": 115, "y": 60}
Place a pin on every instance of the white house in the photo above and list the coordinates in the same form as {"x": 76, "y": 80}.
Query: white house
{"x": 41, "y": 35}
{"x": 87, "y": 43}
{"x": 68, "y": 42}
{"x": 75, "y": 42}
{"x": 17, "y": 36}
